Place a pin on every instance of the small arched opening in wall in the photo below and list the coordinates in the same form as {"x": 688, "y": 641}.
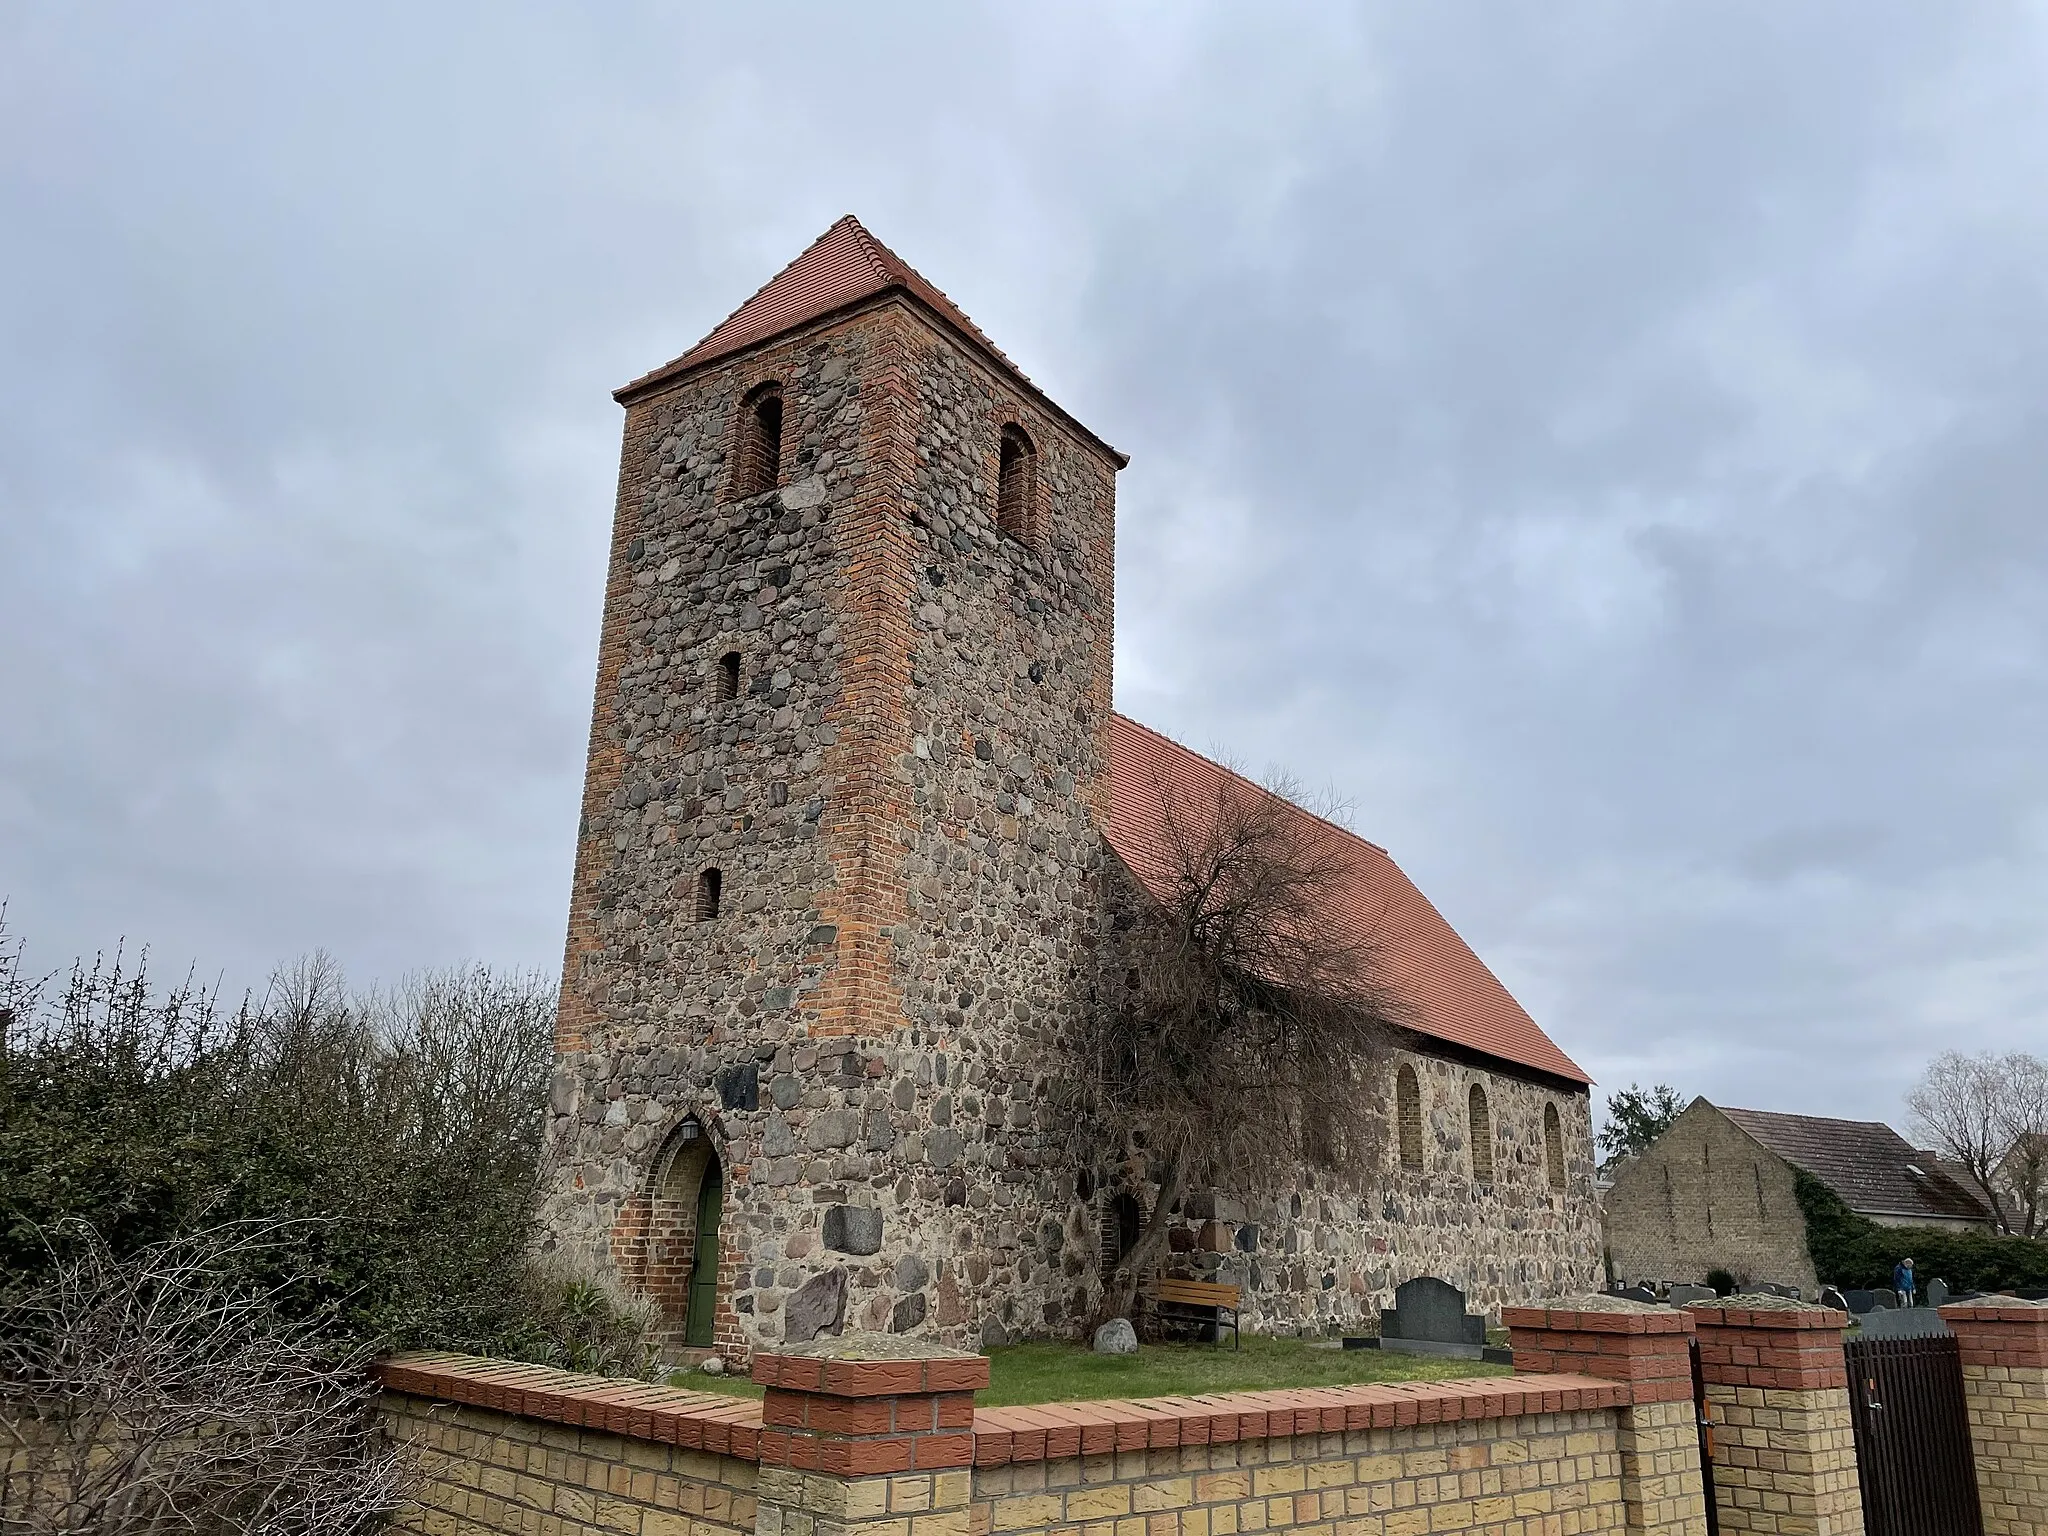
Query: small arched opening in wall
{"x": 1123, "y": 1218}
{"x": 1481, "y": 1118}
{"x": 1408, "y": 1117}
{"x": 679, "y": 1272}
{"x": 757, "y": 443}
{"x": 1016, "y": 483}
{"x": 1553, "y": 1147}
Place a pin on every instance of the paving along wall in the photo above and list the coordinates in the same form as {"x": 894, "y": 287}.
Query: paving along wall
{"x": 902, "y": 801}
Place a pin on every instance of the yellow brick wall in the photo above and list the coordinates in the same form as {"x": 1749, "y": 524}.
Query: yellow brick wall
{"x": 2009, "y": 1436}
{"x": 485, "y": 1472}
{"x": 1785, "y": 1462}
{"x": 1538, "y": 1475}
{"x": 910, "y": 1504}
{"x": 1660, "y": 1468}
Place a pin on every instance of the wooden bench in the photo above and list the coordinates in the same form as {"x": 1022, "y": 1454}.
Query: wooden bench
{"x": 1202, "y": 1301}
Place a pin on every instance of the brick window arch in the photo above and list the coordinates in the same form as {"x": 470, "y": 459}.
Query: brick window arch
{"x": 1016, "y": 483}
{"x": 1408, "y": 1117}
{"x": 1553, "y": 1146}
{"x": 1482, "y": 1134}
{"x": 757, "y": 445}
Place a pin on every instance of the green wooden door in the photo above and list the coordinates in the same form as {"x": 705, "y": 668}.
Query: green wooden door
{"x": 698, "y": 1321}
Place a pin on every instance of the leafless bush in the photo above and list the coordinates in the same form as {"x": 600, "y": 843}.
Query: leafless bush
{"x": 167, "y": 1391}
{"x": 1253, "y": 1034}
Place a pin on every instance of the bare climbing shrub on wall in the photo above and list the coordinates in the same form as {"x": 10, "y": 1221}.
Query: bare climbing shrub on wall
{"x": 1253, "y": 1034}
{"x": 172, "y": 1389}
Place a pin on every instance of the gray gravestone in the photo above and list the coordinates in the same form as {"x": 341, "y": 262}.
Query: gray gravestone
{"x": 1883, "y": 1297}
{"x": 1904, "y": 1323}
{"x": 1937, "y": 1292}
{"x": 1683, "y": 1295}
{"x": 1642, "y": 1293}
{"x": 1860, "y": 1302}
{"x": 1428, "y": 1317}
{"x": 1788, "y": 1292}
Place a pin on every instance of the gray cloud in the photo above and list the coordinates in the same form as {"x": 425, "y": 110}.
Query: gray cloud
{"x": 1602, "y": 440}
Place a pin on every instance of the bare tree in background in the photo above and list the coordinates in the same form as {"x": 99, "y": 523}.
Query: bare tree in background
{"x": 1989, "y": 1114}
{"x": 164, "y": 1391}
{"x": 1252, "y": 1036}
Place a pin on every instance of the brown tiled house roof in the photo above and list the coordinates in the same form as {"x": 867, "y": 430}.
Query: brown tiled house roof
{"x": 1449, "y": 992}
{"x": 1866, "y": 1162}
{"x": 844, "y": 266}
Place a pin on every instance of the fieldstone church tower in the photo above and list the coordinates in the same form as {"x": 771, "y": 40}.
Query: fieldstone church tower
{"x": 850, "y": 828}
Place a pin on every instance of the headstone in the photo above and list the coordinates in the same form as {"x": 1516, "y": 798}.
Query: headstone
{"x": 1683, "y": 1295}
{"x": 1116, "y": 1337}
{"x": 1831, "y": 1297}
{"x": 1428, "y": 1317}
{"x": 2030, "y": 1293}
{"x": 1884, "y": 1297}
{"x": 1860, "y": 1302}
{"x": 817, "y": 1306}
{"x": 1937, "y": 1292}
{"x": 1904, "y": 1323}
{"x": 1788, "y": 1292}
{"x": 1642, "y": 1293}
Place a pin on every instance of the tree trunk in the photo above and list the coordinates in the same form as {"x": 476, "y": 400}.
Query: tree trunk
{"x": 1120, "y": 1290}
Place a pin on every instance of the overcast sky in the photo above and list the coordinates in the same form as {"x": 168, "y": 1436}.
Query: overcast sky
{"x": 1606, "y": 443}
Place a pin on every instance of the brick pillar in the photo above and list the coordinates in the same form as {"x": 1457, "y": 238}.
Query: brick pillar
{"x": 1649, "y": 1348}
{"x": 1783, "y": 1449}
{"x": 2004, "y": 1345}
{"x": 867, "y": 1436}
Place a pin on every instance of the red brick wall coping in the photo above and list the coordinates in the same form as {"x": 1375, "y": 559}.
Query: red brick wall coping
{"x": 742, "y": 1428}
{"x": 1650, "y": 1351}
{"x": 1788, "y": 1349}
{"x": 2014, "y": 1336}
{"x": 697, "y": 1421}
{"x": 871, "y": 1378}
{"x": 1044, "y": 1431}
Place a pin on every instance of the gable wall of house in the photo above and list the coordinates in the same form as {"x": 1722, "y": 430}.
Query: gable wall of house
{"x": 1705, "y": 1196}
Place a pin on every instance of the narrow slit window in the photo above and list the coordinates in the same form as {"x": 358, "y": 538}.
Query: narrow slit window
{"x": 1015, "y": 484}
{"x": 729, "y": 675}
{"x": 1482, "y": 1136}
{"x": 757, "y": 455}
{"x": 1408, "y": 1117}
{"x": 1553, "y": 1146}
{"x": 709, "y": 885}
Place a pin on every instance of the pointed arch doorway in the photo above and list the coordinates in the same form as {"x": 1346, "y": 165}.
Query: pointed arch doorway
{"x": 700, "y": 1311}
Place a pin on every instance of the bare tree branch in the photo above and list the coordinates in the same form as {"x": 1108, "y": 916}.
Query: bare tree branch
{"x": 1251, "y": 1035}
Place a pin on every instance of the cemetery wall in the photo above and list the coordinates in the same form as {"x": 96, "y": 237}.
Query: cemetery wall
{"x": 509, "y": 1448}
{"x": 1705, "y": 1196}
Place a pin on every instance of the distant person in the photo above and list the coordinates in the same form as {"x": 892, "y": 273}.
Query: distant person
{"x": 1903, "y": 1282}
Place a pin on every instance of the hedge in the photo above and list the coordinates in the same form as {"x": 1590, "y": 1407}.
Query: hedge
{"x": 1851, "y": 1250}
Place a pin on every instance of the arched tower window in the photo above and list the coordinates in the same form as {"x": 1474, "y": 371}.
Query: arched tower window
{"x": 1408, "y": 1117}
{"x": 1016, "y": 473}
{"x": 729, "y": 675}
{"x": 1482, "y": 1135}
{"x": 1553, "y": 1146}
{"x": 680, "y": 1273}
{"x": 757, "y": 453}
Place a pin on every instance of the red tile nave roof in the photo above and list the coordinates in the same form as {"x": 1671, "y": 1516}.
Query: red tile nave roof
{"x": 1450, "y": 992}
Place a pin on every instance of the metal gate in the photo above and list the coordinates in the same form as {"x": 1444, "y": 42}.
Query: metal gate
{"x": 1912, "y": 1437}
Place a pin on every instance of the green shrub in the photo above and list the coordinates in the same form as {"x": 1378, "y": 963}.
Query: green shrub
{"x": 399, "y": 1133}
{"x": 1852, "y": 1250}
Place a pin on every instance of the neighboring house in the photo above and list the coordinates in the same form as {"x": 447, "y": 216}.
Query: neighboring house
{"x": 857, "y": 821}
{"x": 1716, "y": 1191}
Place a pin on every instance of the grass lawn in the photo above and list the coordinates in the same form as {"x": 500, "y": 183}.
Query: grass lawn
{"x": 1051, "y": 1373}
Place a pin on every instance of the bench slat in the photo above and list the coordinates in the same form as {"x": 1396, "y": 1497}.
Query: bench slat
{"x": 1200, "y": 1293}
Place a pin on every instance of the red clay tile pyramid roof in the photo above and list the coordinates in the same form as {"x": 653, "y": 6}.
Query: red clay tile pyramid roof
{"x": 1451, "y": 993}
{"x": 842, "y": 266}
